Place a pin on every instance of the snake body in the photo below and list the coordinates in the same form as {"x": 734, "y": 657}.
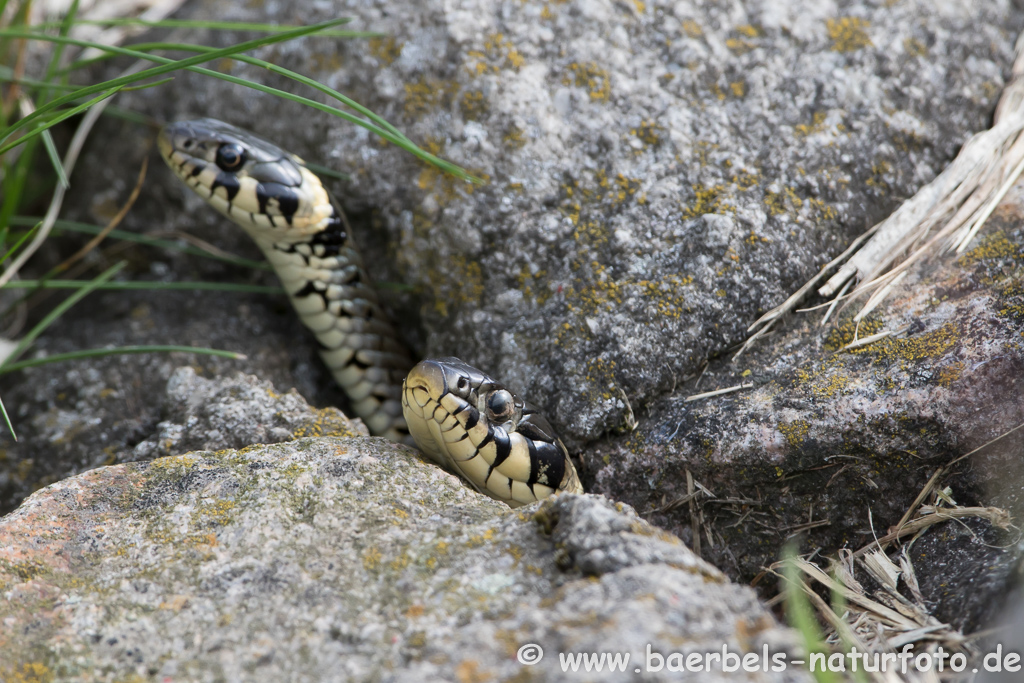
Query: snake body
{"x": 462, "y": 419}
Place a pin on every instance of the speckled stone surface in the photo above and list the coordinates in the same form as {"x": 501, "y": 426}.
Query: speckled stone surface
{"x": 659, "y": 174}
{"x": 346, "y": 559}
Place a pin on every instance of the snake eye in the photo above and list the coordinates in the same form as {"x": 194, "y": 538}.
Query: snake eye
{"x": 500, "y": 406}
{"x": 230, "y": 156}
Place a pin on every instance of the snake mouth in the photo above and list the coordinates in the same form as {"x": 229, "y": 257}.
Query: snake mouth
{"x": 422, "y": 390}
{"x": 164, "y": 144}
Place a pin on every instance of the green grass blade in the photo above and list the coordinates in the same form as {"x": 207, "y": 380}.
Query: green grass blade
{"x": 213, "y": 25}
{"x": 295, "y": 76}
{"x": 44, "y": 94}
{"x": 135, "y": 285}
{"x": 58, "y": 166}
{"x": 59, "y": 310}
{"x": 7, "y": 76}
{"x": 164, "y": 68}
{"x": 145, "y": 86}
{"x": 156, "y": 243}
{"x": 15, "y": 177}
{"x": 117, "y": 351}
{"x": 7, "y": 419}
{"x": 20, "y": 241}
{"x": 66, "y": 114}
{"x": 800, "y": 614}
{"x": 328, "y": 172}
{"x": 382, "y": 129}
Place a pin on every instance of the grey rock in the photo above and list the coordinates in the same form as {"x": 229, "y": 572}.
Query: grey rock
{"x": 211, "y": 415}
{"x": 660, "y": 173}
{"x": 348, "y": 559}
{"x": 825, "y": 438}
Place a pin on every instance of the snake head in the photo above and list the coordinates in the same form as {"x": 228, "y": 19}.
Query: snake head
{"x": 469, "y": 423}
{"x": 266, "y": 190}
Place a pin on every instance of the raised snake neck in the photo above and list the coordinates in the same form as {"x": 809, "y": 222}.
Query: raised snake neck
{"x": 461, "y": 418}
{"x": 305, "y": 237}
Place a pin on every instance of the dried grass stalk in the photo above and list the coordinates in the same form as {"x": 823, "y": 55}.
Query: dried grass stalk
{"x": 944, "y": 215}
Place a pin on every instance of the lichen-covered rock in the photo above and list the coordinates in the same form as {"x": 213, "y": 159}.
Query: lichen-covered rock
{"x": 825, "y": 437}
{"x": 657, "y": 173}
{"x": 205, "y": 414}
{"x": 347, "y": 559}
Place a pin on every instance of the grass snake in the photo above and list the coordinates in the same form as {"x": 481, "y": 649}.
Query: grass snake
{"x": 458, "y": 416}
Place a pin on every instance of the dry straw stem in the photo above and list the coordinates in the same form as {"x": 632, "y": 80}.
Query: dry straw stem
{"x": 888, "y": 620}
{"x": 944, "y": 215}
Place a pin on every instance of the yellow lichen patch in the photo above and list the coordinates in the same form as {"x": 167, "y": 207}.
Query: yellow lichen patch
{"x": 514, "y": 137}
{"x": 216, "y": 512}
{"x": 816, "y": 125}
{"x": 461, "y": 282}
{"x": 823, "y": 210}
{"x": 753, "y": 239}
{"x": 601, "y": 372}
{"x": 625, "y": 187}
{"x": 516, "y": 552}
{"x": 175, "y": 462}
{"x": 932, "y": 344}
{"x": 950, "y": 374}
{"x": 692, "y": 29}
{"x": 527, "y": 281}
{"x": 327, "y": 422}
{"x": 446, "y": 187}
{"x": 795, "y": 432}
{"x": 824, "y": 384}
{"x": 738, "y": 88}
{"x": 371, "y": 559}
{"x": 29, "y": 672}
{"x": 844, "y": 331}
{"x": 748, "y": 30}
{"x": 994, "y": 246}
{"x": 386, "y": 49}
{"x": 739, "y": 46}
{"x": 473, "y": 105}
{"x": 914, "y": 47}
{"x": 707, "y": 200}
{"x": 879, "y": 170}
{"x": 648, "y": 133}
{"x": 25, "y": 570}
{"x": 478, "y": 540}
{"x": 320, "y": 62}
{"x": 590, "y": 76}
{"x": 425, "y": 96}
{"x": 745, "y": 180}
{"x": 848, "y": 34}
{"x": 499, "y": 53}
{"x": 784, "y": 202}
{"x": 603, "y": 292}
{"x": 400, "y": 562}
